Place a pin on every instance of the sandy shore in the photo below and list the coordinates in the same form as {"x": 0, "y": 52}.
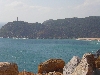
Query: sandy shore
{"x": 98, "y": 39}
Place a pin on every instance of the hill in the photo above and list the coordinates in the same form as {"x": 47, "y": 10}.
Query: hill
{"x": 59, "y": 29}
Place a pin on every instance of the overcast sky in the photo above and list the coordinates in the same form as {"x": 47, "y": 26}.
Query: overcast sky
{"x": 40, "y": 10}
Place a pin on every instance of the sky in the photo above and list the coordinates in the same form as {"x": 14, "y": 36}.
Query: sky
{"x": 41, "y": 10}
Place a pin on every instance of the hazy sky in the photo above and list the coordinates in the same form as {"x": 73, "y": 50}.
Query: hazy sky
{"x": 40, "y": 10}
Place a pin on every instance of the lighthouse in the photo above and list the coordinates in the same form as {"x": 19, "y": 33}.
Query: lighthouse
{"x": 17, "y": 18}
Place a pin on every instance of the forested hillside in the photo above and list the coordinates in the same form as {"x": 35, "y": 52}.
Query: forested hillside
{"x": 58, "y": 29}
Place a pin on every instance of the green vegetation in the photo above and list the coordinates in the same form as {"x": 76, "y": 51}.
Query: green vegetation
{"x": 58, "y": 29}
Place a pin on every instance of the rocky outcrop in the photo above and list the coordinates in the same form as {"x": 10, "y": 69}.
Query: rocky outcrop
{"x": 97, "y": 62}
{"x": 26, "y": 73}
{"x": 69, "y": 68}
{"x": 86, "y": 66}
{"x": 51, "y": 65}
{"x": 50, "y": 73}
{"x": 54, "y": 73}
{"x": 7, "y": 68}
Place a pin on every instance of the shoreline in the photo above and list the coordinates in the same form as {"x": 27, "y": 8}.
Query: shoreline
{"x": 98, "y": 39}
{"x": 87, "y": 65}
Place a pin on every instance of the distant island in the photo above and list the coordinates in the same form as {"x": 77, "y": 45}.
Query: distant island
{"x": 68, "y": 28}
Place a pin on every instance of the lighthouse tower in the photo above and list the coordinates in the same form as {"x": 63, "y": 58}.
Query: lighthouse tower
{"x": 17, "y": 18}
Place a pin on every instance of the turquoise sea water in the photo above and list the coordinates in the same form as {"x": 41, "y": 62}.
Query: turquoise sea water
{"x": 28, "y": 53}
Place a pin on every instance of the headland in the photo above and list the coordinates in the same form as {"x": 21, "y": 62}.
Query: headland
{"x": 67, "y": 28}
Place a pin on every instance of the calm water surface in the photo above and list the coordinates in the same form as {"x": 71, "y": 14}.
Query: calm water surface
{"x": 28, "y": 53}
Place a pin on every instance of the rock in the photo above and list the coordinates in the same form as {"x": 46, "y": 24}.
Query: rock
{"x": 7, "y": 68}
{"x": 97, "y": 62}
{"x": 26, "y": 73}
{"x": 86, "y": 66}
{"x": 98, "y": 53}
{"x": 69, "y": 68}
{"x": 96, "y": 72}
{"x": 51, "y": 65}
{"x": 54, "y": 73}
{"x": 50, "y": 73}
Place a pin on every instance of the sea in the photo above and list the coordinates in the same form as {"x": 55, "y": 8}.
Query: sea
{"x": 29, "y": 53}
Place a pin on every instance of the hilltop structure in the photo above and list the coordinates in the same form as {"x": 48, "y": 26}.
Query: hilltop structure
{"x": 17, "y": 18}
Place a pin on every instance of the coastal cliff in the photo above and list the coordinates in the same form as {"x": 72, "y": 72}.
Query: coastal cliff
{"x": 88, "y": 65}
{"x": 59, "y": 29}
